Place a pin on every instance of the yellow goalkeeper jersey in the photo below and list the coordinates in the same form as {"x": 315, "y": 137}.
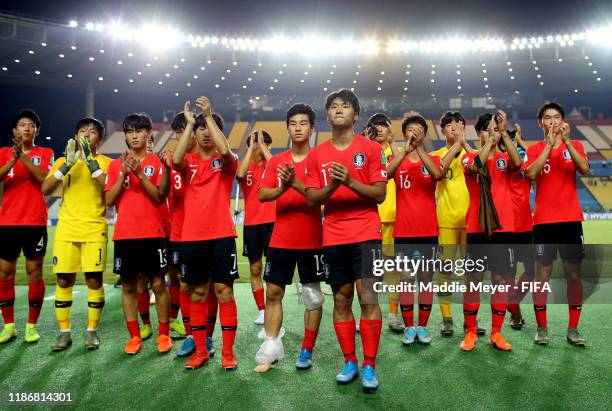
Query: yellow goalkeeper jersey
{"x": 82, "y": 212}
{"x": 452, "y": 195}
{"x": 386, "y": 209}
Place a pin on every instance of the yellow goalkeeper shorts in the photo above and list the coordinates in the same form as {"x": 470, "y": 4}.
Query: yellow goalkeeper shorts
{"x": 71, "y": 257}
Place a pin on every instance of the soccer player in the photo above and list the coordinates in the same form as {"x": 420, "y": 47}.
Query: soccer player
{"x": 208, "y": 245}
{"x": 347, "y": 174}
{"x": 453, "y": 200}
{"x": 81, "y": 234}
{"x": 283, "y": 182}
{"x": 258, "y": 217}
{"x": 23, "y": 221}
{"x": 379, "y": 130}
{"x": 557, "y": 220}
{"x": 133, "y": 186}
{"x": 494, "y": 243}
{"x": 416, "y": 223}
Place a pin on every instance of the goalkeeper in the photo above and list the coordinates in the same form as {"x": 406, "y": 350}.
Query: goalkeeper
{"x": 81, "y": 235}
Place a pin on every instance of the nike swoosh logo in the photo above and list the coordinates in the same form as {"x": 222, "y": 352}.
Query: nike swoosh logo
{"x": 326, "y": 164}
{"x": 403, "y": 172}
{"x": 233, "y": 272}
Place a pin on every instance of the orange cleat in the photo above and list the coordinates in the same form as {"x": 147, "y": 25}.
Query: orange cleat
{"x": 164, "y": 344}
{"x": 197, "y": 359}
{"x": 500, "y": 342}
{"x": 228, "y": 361}
{"x": 469, "y": 342}
{"x": 133, "y": 346}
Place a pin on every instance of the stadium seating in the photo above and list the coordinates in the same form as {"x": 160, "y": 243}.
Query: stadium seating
{"x": 601, "y": 189}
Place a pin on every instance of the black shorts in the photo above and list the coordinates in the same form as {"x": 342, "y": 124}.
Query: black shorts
{"x": 344, "y": 263}
{"x": 256, "y": 240}
{"x": 146, "y": 256}
{"x": 426, "y": 247}
{"x": 174, "y": 252}
{"x": 281, "y": 262}
{"x": 31, "y": 239}
{"x": 565, "y": 237}
{"x": 202, "y": 260}
{"x": 497, "y": 251}
{"x": 523, "y": 247}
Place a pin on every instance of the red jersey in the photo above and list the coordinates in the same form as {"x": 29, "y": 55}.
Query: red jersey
{"x": 415, "y": 200}
{"x": 23, "y": 202}
{"x": 298, "y": 226}
{"x": 520, "y": 185}
{"x": 164, "y": 213}
{"x": 349, "y": 218}
{"x": 176, "y": 200}
{"x": 137, "y": 214}
{"x": 256, "y": 212}
{"x": 556, "y": 193}
{"x": 207, "y": 198}
{"x": 499, "y": 170}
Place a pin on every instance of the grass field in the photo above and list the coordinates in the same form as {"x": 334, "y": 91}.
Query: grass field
{"x": 439, "y": 376}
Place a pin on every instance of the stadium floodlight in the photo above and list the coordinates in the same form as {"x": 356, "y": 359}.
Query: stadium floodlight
{"x": 89, "y": 26}
{"x": 73, "y": 23}
{"x": 99, "y": 27}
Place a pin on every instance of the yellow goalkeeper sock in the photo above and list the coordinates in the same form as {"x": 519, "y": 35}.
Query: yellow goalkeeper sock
{"x": 63, "y": 305}
{"x": 95, "y": 304}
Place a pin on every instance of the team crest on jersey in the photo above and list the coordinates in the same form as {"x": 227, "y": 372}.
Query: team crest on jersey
{"x": 216, "y": 164}
{"x": 175, "y": 257}
{"x": 522, "y": 172}
{"x": 424, "y": 171}
{"x": 383, "y": 173}
{"x": 117, "y": 264}
{"x": 359, "y": 160}
{"x": 36, "y": 160}
{"x": 148, "y": 171}
{"x": 501, "y": 164}
{"x": 464, "y": 161}
{"x": 54, "y": 260}
{"x": 566, "y": 155}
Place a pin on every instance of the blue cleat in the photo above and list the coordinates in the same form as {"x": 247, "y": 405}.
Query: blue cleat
{"x": 368, "y": 379}
{"x": 423, "y": 335}
{"x": 304, "y": 361}
{"x": 348, "y": 373}
{"x": 210, "y": 347}
{"x": 409, "y": 336}
{"x": 187, "y": 348}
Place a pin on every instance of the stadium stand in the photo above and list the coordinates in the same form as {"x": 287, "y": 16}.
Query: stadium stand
{"x": 276, "y": 129}
{"x": 600, "y": 190}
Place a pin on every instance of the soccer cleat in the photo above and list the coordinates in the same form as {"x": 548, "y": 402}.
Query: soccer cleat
{"x": 31, "y": 334}
{"x": 469, "y": 342}
{"x": 573, "y": 337}
{"x": 187, "y": 348}
{"x": 260, "y": 318}
{"x": 197, "y": 360}
{"x": 92, "y": 342}
{"x": 146, "y": 332}
{"x": 498, "y": 341}
{"x": 423, "y": 336}
{"x": 479, "y": 330}
{"x": 178, "y": 327}
{"x": 228, "y": 361}
{"x": 164, "y": 344}
{"x": 304, "y": 360}
{"x": 210, "y": 347}
{"x": 9, "y": 333}
{"x": 447, "y": 326}
{"x": 409, "y": 336}
{"x": 63, "y": 342}
{"x": 349, "y": 373}
{"x": 369, "y": 382}
{"x": 516, "y": 321}
{"x": 133, "y": 345}
{"x": 541, "y": 337}
{"x": 395, "y": 324}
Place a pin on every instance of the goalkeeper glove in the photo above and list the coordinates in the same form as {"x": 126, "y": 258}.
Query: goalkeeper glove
{"x": 92, "y": 163}
{"x": 70, "y": 160}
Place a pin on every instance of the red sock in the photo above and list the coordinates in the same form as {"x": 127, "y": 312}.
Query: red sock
{"x": 345, "y": 331}
{"x": 198, "y": 324}
{"x": 143, "y": 306}
{"x": 164, "y": 328}
{"x": 213, "y": 304}
{"x": 7, "y": 300}
{"x": 36, "y": 296}
{"x": 259, "y": 298}
{"x": 499, "y": 304}
{"x": 185, "y": 301}
{"x": 175, "y": 297}
{"x": 513, "y": 308}
{"x": 574, "y": 298}
{"x": 574, "y": 315}
{"x": 425, "y": 302}
{"x": 228, "y": 316}
{"x": 370, "y": 338}
{"x": 406, "y": 303}
{"x": 133, "y": 328}
{"x": 471, "y": 304}
{"x": 310, "y": 337}
{"x": 539, "y": 306}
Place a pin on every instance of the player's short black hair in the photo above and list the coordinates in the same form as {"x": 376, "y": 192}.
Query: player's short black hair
{"x": 378, "y": 119}
{"x": 345, "y": 95}
{"x": 26, "y": 113}
{"x": 550, "y": 105}
{"x": 178, "y": 122}
{"x": 415, "y": 119}
{"x": 267, "y": 138}
{"x": 200, "y": 122}
{"x": 301, "y": 108}
{"x": 451, "y": 116}
{"x": 137, "y": 121}
{"x": 482, "y": 123}
{"x": 84, "y": 122}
